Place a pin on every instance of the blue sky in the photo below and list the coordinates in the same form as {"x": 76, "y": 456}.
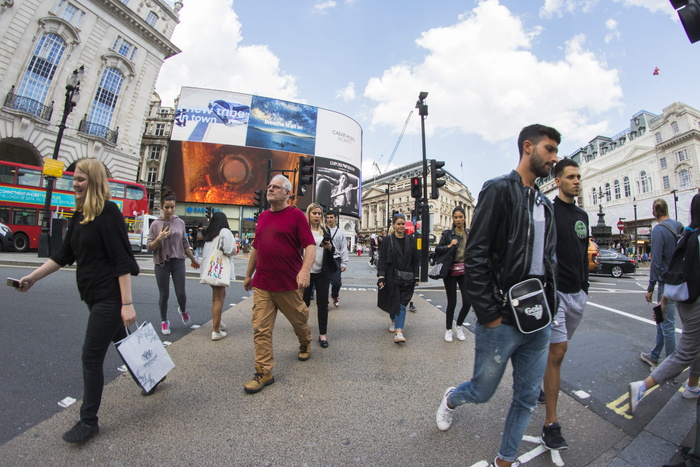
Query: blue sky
{"x": 490, "y": 67}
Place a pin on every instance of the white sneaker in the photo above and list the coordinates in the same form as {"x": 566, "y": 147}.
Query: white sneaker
{"x": 635, "y": 394}
{"x": 448, "y": 335}
{"x": 165, "y": 328}
{"x": 690, "y": 392}
{"x": 460, "y": 333}
{"x": 217, "y": 336}
{"x": 444, "y": 414}
{"x": 392, "y": 328}
{"x": 398, "y": 338}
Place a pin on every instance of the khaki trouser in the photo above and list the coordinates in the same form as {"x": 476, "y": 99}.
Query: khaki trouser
{"x": 265, "y": 306}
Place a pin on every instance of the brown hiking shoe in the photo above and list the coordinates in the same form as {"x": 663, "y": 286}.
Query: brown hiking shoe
{"x": 304, "y": 352}
{"x": 259, "y": 381}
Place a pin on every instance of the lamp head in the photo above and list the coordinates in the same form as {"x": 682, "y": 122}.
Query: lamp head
{"x": 423, "y": 95}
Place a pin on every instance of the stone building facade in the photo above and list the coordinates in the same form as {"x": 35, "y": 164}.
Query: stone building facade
{"x": 389, "y": 192}
{"x": 121, "y": 44}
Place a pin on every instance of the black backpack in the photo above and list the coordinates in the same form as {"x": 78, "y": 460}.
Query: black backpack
{"x": 684, "y": 266}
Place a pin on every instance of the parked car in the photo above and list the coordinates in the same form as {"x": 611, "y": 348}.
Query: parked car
{"x": 593, "y": 256}
{"x": 6, "y": 240}
{"x": 616, "y": 264}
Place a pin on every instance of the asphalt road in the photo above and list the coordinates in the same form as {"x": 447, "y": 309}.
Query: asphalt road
{"x": 42, "y": 333}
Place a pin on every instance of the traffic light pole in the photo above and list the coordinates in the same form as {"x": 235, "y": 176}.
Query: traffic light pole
{"x": 425, "y": 214}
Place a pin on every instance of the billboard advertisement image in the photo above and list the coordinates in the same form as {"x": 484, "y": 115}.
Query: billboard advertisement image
{"x": 223, "y": 143}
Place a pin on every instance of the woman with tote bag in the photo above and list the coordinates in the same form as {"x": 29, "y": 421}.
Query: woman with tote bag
{"x": 217, "y": 268}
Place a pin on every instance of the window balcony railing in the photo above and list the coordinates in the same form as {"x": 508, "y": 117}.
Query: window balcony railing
{"x": 99, "y": 131}
{"x": 30, "y": 106}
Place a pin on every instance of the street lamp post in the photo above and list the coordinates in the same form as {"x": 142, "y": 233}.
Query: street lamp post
{"x": 634, "y": 200}
{"x": 72, "y": 96}
{"x": 425, "y": 214}
{"x": 675, "y": 202}
{"x": 388, "y": 210}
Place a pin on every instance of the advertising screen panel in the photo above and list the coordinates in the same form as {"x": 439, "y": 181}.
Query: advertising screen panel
{"x": 223, "y": 143}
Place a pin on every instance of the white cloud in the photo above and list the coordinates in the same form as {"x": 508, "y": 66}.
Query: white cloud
{"x": 213, "y": 57}
{"x": 613, "y": 32}
{"x": 655, "y": 6}
{"x": 553, "y": 8}
{"x": 347, "y": 93}
{"x": 321, "y": 7}
{"x": 484, "y": 80}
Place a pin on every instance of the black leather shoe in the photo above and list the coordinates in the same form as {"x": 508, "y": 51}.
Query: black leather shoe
{"x": 80, "y": 433}
{"x": 324, "y": 342}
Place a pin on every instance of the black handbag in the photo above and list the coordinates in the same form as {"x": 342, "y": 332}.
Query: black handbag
{"x": 528, "y": 301}
{"x": 404, "y": 278}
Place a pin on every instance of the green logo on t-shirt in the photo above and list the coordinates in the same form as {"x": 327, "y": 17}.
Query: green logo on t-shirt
{"x": 580, "y": 229}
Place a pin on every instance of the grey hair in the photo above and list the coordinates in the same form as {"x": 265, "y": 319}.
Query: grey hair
{"x": 286, "y": 184}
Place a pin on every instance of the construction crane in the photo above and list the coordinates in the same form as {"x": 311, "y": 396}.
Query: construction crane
{"x": 396, "y": 146}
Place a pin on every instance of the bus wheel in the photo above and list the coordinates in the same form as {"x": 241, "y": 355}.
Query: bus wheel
{"x": 21, "y": 242}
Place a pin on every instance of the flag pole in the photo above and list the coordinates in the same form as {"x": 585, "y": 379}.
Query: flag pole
{"x": 663, "y": 82}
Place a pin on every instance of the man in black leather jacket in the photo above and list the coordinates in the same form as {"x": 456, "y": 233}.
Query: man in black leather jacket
{"x": 512, "y": 238}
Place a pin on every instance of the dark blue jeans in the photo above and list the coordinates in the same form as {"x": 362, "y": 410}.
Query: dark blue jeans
{"x": 336, "y": 280}
{"x": 321, "y": 281}
{"x": 105, "y": 326}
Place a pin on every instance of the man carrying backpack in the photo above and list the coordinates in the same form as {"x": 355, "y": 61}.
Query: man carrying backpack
{"x": 664, "y": 237}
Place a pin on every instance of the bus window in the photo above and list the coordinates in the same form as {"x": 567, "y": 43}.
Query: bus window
{"x": 134, "y": 192}
{"x": 65, "y": 183}
{"x": 5, "y": 214}
{"x": 7, "y": 174}
{"x": 117, "y": 190}
{"x": 28, "y": 177}
{"x": 22, "y": 216}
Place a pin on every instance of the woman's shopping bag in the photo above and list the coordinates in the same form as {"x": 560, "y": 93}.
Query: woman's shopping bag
{"x": 217, "y": 270}
{"x": 145, "y": 356}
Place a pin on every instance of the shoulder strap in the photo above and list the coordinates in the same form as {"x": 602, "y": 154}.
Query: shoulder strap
{"x": 677, "y": 234}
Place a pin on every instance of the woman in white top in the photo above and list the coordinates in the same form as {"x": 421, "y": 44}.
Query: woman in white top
{"x": 218, "y": 235}
{"x": 321, "y": 271}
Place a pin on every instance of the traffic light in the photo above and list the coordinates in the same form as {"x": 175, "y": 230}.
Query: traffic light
{"x": 208, "y": 212}
{"x": 258, "y": 197}
{"x": 306, "y": 172}
{"x": 436, "y": 180}
{"x": 416, "y": 187}
{"x": 689, "y": 13}
{"x": 255, "y": 215}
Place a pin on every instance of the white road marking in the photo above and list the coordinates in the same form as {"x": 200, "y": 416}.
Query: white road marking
{"x": 628, "y": 315}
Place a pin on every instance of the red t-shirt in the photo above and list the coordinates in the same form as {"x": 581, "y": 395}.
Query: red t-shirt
{"x": 280, "y": 238}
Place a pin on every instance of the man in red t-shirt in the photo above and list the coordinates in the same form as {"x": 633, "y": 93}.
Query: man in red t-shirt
{"x": 281, "y": 273}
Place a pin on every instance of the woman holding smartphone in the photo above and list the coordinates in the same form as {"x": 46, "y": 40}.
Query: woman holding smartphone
{"x": 97, "y": 242}
{"x": 167, "y": 240}
{"x": 321, "y": 271}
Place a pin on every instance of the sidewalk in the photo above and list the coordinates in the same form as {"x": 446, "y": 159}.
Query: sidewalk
{"x": 362, "y": 401}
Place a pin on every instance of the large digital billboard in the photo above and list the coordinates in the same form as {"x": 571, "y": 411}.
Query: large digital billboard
{"x": 223, "y": 143}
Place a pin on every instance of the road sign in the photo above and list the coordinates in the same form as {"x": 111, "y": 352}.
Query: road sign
{"x": 620, "y": 225}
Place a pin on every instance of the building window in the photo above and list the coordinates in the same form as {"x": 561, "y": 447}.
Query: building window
{"x": 155, "y": 153}
{"x": 684, "y": 178}
{"x": 607, "y": 192}
{"x": 151, "y": 19}
{"x": 40, "y": 72}
{"x": 658, "y": 137}
{"x": 663, "y": 162}
{"x": 646, "y": 182}
{"x": 667, "y": 182}
{"x": 674, "y": 127}
{"x": 626, "y": 185}
{"x": 125, "y": 2}
{"x": 594, "y": 197}
{"x": 70, "y": 12}
{"x": 106, "y": 97}
{"x": 616, "y": 188}
{"x": 681, "y": 155}
{"x": 160, "y": 129}
{"x": 124, "y": 48}
{"x": 152, "y": 176}
{"x": 151, "y": 201}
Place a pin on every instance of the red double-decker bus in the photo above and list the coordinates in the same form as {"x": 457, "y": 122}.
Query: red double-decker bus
{"x": 23, "y": 195}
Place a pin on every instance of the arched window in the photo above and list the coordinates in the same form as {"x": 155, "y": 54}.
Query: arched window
{"x": 658, "y": 137}
{"x": 674, "y": 127}
{"x": 106, "y": 96}
{"x": 626, "y": 184}
{"x": 684, "y": 178}
{"x": 594, "y": 197}
{"x": 42, "y": 68}
{"x": 646, "y": 182}
{"x": 616, "y": 189}
{"x": 607, "y": 192}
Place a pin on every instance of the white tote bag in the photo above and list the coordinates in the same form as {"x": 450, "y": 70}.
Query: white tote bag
{"x": 216, "y": 269}
{"x": 145, "y": 356}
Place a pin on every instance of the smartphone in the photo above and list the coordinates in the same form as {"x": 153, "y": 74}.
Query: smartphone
{"x": 13, "y": 282}
{"x": 166, "y": 225}
{"x": 659, "y": 314}
{"x": 327, "y": 238}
